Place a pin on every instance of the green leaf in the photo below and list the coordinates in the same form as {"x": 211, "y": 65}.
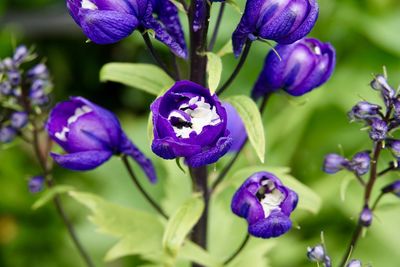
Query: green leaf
{"x": 344, "y": 186}
{"x": 308, "y": 199}
{"x": 235, "y": 5}
{"x": 48, "y": 195}
{"x": 251, "y": 117}
{"x": 214, "y": 71}
{"x": 145, "y": 77}
{"x": 254, "y": 252}
{"x": 193, "y": 252}
{"x": 150, "y": 128}
{"x": 181, "y": 223}
{"x": 226, "y": 49}
{"x": 178, "y": 5}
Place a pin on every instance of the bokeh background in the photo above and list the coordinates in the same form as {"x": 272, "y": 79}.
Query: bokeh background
{"x": 299, "y": 132}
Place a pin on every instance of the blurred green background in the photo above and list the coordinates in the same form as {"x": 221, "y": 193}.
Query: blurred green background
{"x": 299, "y": 132}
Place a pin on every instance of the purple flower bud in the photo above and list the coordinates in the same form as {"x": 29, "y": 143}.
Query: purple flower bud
{"x": 266, "y": 204}
{"x": 189, "y": 122}
{"x": 236, "y": 127}
{"x": 366, "y": 217}
{"x": 302, "y": 66}
{"x": 392, "y": 188}
{"x": 317, "y": 253}
{"x": 14, "y": 77}
{"x": 36, "y": 184}
{"x": 394, "y": 146}
{"x": 364, "y": 110}
{"x": 380, "y": 83}
{"x": 19, "y": 120}
{"x": 7, "y": 134}
{"x": 90, "y": 135}
{"x": 334, "y": 163}
{"x": 8, "y": 64}
{"x": 37, "y": 95}
{"x": 396, "y": 108}
{"x": 6, "y": 88}
{"x": 354, "y": 263}
{"x": 20, "y": 54}
{"x": 39, "y": 71}
{"x": 360, "y": 163}
{"x": 106, "y": 21}
{"x": 379, "y": 129}
{"x": 282, "y": 21}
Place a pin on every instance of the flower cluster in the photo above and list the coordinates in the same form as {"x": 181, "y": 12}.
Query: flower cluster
{"x": 22, "y": 92}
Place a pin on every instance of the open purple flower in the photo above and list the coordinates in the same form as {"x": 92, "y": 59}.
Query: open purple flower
{"x": 90, "y": 135}
{"x": 266, "y": 204}
{"x": 282, "y": 21}
{"x": 109, "y": 21}
{"x": 189, "y": 122}
{"x": 302, "y": 66}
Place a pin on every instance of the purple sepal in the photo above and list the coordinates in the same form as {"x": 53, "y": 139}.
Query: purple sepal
{"x": 82, "y": 161}
{"x": 212, "y": 155}
{"x": 302, "y": 66}
{"x": 266, "y": 204}
{"x": 128, "y": 148}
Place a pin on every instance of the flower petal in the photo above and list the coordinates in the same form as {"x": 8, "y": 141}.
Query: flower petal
{"x": 275, "y": 225}
{"x": 212, "y": 155}
{"x": 82, "y": 161}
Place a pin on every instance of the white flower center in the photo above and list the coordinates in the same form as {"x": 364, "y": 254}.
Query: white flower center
{"x": 79, "y": 112}
{"x": 272, "y": 200}
{"x": 194, "y": 119}
{"x": 87, "y": 4}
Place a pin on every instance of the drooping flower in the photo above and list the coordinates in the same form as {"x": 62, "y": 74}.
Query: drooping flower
{"x": 282, "y": 21}
{"x": 189, "y": 122}
{"x": 381, "y": 84}
{"x": 266, "y": 204}
{"x": 334, "y": 163}
{"x": 364, "y": 110}
{"x": 90, "y": 135}
{"x": 109, "y": 21}
{"x": 235, "y": 127}
{"x": 318, "y": 254}
{"x": 360, "y": 163}
{"x": 392, "y": 188}
{"x": 302, "y": 66}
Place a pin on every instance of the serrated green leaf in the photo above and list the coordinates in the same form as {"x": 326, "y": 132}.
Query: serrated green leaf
{"x": 214, "y": 71}
{"x": 193, "y": 252}
{"x": 308, "y": 199}
{"x": 226, "y": 49}
{"x": 251, "y": 117}
{"x": 49, "y": 194}
{"x": 145, "y": 77}
{"x": 181, "y": 223}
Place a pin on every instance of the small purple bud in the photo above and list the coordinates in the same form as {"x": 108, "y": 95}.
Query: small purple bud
{"x": 334, "y": 163}
{"x": 396, "y": 108}
{"x": 38, "y": 97}
{"x": 316, "y": 254}
{"x": 394, "y": 146}
{"x": 36, "y": 184}
{"x": 364, "y": 110}
{"x": 379, "y": 129}
{"x": 7, "y": 134}
{"x": 14, "y": 77}
{"x": 8, "y": 64}
{"x": 37, "y": 85}
{"x": 6, "y": 88}
{"x": 366, "y": 217}
{"x": 19, "y": 120}
{"x": 380, "y": 83}
{"x": 360, "y": 163}
{"x": 354, "y": 263}
{"x": 20, "y": 54}
{"x": 39, "y": 71}
{"x": 392, "y": 188}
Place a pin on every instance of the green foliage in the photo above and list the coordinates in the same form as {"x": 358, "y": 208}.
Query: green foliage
{"x": 145, "y": 77}
{"x": 49, "y": 194}
{"x": 249, "y": 113}
{"x": 214, "y": 71}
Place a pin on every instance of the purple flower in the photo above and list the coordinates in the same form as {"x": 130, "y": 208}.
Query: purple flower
{"x": 19, "y": 120}
{"x": 396, "y": 108}
{"x": 14, "y": 77}
{"x": 90, "y": 135}
{"x": 380, "y": 83}
{"x": 189, "y": 122}
{"x": 317, "y": 253}
{"x": 302, "y": 66}
{"x": 7, "y": 134}
{"x": 20, "y": 54}
{"x": 366, "y": 217}
{"x": 39, "y": 71}
{"x": 379, "y": 129}
{"x": 282, "y": 21}
{"x": 235, "y": 127}
{"x": 266, "y": 204}
{"x": 360, "y": 163}
{"x": 109, "y": 21}
{"x": 6, "y": 88}
{"x": 394, "y": 146}
{"x": 37, "y": 93}
{"x": 36, "y": 184}
{"x": 334, "y": 163}
{"x": 392, "y": 188}
{"x": 364, "y": 110}
{"x": 354, "y": 263}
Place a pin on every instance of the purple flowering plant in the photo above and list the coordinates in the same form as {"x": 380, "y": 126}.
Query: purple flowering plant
{"x": 196, "y": 131}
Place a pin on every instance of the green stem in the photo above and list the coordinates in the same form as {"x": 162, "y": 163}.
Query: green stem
{"x": 237, "y": 252}
{"x": 217, "y": 26}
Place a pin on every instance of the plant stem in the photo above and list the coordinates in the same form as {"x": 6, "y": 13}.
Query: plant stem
{"x": 239, "y": 66}
{"x": 141, "y": 189}
{"x": 230, "y": 164}
{"x": 217, "y": 26}
{"x": 237, "y": 252}
{"x": 155, "y": 55}
{"x": 388, "y": 169}
{"x": 57, "y": 199}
